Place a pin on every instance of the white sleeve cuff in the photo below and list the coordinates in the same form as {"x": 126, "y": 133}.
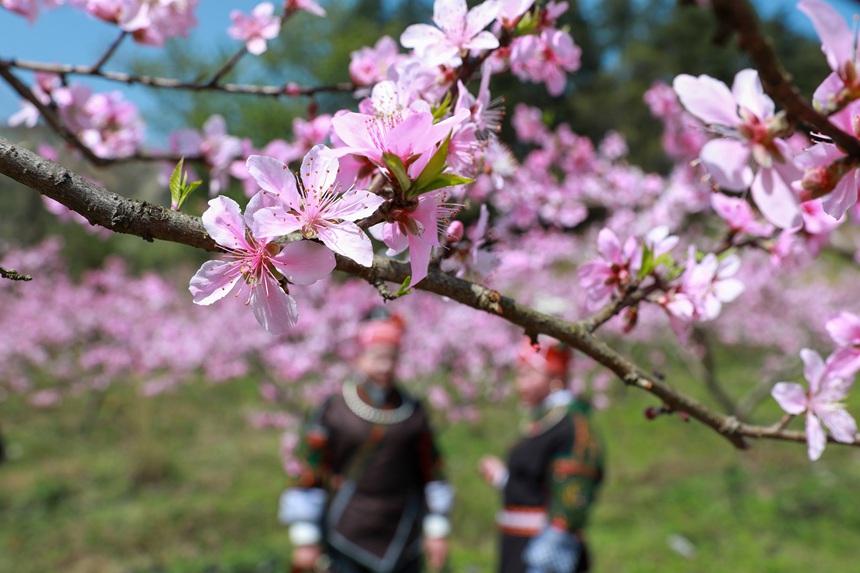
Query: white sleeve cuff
{"x": 301, "y": 504}
{"x": 500, "y": 480}
{"x": 304, "y": 533}
{"x": 439, "y": 496}
{"x": 436, "y": 526}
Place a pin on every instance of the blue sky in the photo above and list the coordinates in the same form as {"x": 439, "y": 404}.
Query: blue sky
{"x": 69, "y": 36}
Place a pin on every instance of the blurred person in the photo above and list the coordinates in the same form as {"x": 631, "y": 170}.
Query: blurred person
{"x": 370, "y": 496}
{"x": 553, "y": 472}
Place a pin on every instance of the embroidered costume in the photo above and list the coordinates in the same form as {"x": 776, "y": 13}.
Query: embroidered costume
{"x": 371, "y": 482}
{"x": 553, "y": 474}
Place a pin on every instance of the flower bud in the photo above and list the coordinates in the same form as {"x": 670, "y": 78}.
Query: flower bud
{"x": 455, "y": 232}
{"x": 823, "y": 179}
{"x": 631, "y": 317}
{"x": 817, "y": 180}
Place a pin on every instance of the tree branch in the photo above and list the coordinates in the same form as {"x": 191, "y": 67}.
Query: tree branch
{"x": 740, "y": 17}
{"x": 229, "y": 65}
{"x": 171, "y": 83}
{"x": 50, "y": 116}
{"x": 709, "y": 371}
{"x": 102, "y": 207}
{"x": 110, "y": 52}
{"x": 13, "y": 275}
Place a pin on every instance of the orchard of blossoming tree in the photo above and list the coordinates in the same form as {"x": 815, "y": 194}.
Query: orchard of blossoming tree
{"x": 413, "y": 197}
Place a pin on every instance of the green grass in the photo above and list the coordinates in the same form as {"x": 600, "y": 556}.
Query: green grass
{"x": 180, "y": 483}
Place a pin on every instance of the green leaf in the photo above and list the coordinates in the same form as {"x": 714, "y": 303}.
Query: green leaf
{"x": 665, "y": 260}
{"x": 189, "y": 188}
{"x": 434, "y": 168}
{"x": 404, "y": 288}
{"x": 648, "y": 264}
{"x": 395, "y": 164}
{"x": 444, "y": 180}
{"x": 179, "y": 186}
{"x": 443, "y": 108}
{"x": 527, "y": 23}
{"x": 176, "y": 182}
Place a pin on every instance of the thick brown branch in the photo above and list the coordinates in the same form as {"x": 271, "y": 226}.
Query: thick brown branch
{"x": 574, "y": 334}
{"x": 739, "y": 16}
{"x": 102, "y": 207}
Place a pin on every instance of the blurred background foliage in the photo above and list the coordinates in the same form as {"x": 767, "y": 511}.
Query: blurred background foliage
{"x": 182, "y": 483}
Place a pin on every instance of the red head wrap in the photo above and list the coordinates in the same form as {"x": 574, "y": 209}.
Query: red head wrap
{"x": 388, "y": 330}
{"x": 551, "y": 357}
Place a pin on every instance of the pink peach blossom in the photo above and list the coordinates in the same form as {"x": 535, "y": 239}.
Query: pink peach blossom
{"x": 393, "y": 125}
{"x": 745, "y": 115}
{"x": 418, "y": 229}
{"x": 368, "y": 66}
{"x": 601, "y": 278}
{"x": 459, "y": 31}
{"x": 839, "y": 44}
{"x": 739, "y": 216}
{"x": 309, "y": 6}
{"x": 252, "y": 264}
{"x": 821, "y": 402}
{"x": 545, "y": 58}
{"x": 255, "y": 29}
{"x": 844, "y": 329}
{"x": 319, "y": 206}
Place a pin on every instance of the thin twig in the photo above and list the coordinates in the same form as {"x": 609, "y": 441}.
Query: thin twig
{"x": 753, "y": 398}
{"x": 110, "y": 52}
{"x": 229, "y": 65}
{"x": 51, "y": 117}
{"x": 287, "y": 89}
{"x": 13, "y": 275}
{"x": 384, "y": 291}
{"x": 783, "y": 423}
{"x": 631, "y": 296}
{"x": 709, "y": 369}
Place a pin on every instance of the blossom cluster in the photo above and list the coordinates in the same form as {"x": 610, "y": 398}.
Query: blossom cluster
{"x": 419, "y": 168}
{"x": 150, "y": 22}
{"x": 147, "y": 336}
{"x": 751, "y": 150}
{"x": 829, "y": 382}
{"x": 107, "y": 124}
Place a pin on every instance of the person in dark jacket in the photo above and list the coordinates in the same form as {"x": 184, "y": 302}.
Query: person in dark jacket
{"x": 371, "y": 495}
{"x": 552, "y": 474}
